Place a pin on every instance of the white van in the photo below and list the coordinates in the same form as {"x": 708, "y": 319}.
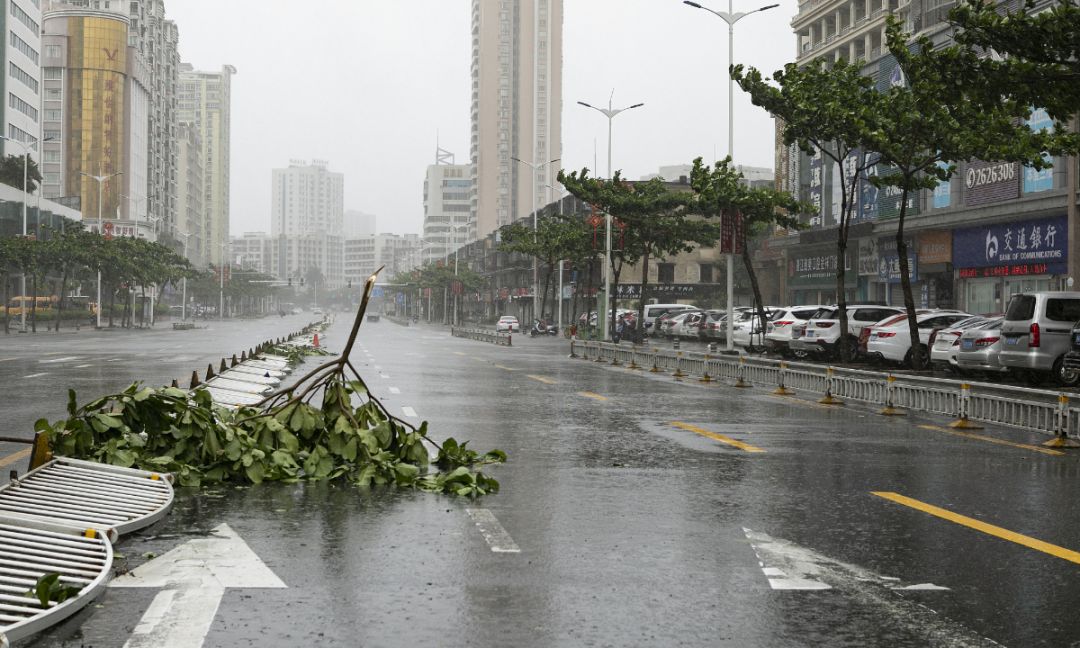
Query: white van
{"x": 653, "y": 311}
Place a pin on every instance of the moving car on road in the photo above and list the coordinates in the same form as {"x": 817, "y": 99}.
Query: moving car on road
{"x": 507, "y": 323}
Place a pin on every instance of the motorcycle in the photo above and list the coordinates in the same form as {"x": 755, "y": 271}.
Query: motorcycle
{"x": 540, "y": 328}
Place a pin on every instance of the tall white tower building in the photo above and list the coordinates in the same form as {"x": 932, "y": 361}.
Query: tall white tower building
{"x": 308, "y": 221}
{"x": 22, "y": 75}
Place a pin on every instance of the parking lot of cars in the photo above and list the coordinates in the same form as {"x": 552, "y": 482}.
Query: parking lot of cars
{"x": 1036, "y": 341}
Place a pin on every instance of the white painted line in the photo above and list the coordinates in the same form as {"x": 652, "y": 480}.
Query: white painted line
{"x": 115, "y": 360}
{"x": 384, "y": 376}
{"x": 395, "y": 390}
{"x": 378, "y": 368}
{"x": 409, "y": 412}
{"x": 37, "y": 375}
{"x": 67, "y": 359}
{"x": 83, "y": 366}
{"x": 7, "y": 359}
{"x": 494, "y": 533}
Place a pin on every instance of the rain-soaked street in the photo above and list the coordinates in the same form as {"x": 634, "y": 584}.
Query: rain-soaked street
{"x": 635, "y": 510}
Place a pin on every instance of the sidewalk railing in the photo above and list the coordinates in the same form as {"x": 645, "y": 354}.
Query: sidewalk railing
{"x": 481, "y": 335}
{"x": 1046, "y": 411}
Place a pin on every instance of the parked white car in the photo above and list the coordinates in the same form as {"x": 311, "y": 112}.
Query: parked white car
{"x": 890, "y": 340}
{"x": 979, "y": 347}
{"x": 822, "y": 333}
{"x": 779, "y": 330}
{"x": 507, "y": 323}
{"x": 749, "y": 331}
{"x": 945, "y": 343}
{"x": 689, "y": 325}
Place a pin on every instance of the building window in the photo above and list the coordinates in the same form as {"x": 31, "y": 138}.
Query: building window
{"x": 23, "y": 107}
{"x": 665, "y": 272}
{"x": 53, "y": 51}
{"x": 706, "y": 273}
{"x": 23, "y": 77}
{"x": 24, "y": 18}
{"x": 53, "y": 73}
{"x": 24, "y": 47}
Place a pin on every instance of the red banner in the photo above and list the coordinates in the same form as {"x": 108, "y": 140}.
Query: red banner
{"x": 731, "y": 234}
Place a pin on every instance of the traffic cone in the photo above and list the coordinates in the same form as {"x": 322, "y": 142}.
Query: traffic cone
{"x": 243, "y": 356}
{"x": 195, "y": 382}
{"x": 315, "y": 341}
{"x": 234, "y": 360}
{"x": 210, "y": 372}
{"x": 224, "y": 367}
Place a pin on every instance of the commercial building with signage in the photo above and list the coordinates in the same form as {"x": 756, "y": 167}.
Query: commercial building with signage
{"x": 995, "y": 229}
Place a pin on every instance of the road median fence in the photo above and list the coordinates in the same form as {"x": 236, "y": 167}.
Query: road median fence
{"x": 482, "y": 335}
{"x": 969, "y": 403}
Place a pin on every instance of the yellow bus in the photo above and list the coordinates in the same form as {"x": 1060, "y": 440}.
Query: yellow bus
{"x": 44, "y": 304}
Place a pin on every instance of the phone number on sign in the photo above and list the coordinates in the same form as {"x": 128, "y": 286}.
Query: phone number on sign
{"x": 989, "y": 175}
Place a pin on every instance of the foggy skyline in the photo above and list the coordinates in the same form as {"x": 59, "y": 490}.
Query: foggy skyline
{"x": 372, "y": 87}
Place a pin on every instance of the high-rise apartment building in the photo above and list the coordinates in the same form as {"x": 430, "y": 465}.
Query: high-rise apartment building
{"x": 156, "y": 41}
{"x": 447, "y": 208}
{"x": 308, "y": 219}
{"x": 22, "y": 75}
{"x": 95, "y": 115}
{"x": 190, "y": 194}
{"x": 517, "y": 50}
{"x": 205, "y": 103}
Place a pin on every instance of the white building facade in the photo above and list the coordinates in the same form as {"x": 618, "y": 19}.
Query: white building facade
{"x": 447, "y": 210}
{"x": 308, "y": 221}
{"x": 22, "y": 75}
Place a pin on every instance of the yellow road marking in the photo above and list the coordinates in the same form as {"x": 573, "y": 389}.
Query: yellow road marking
{"x": 12, "y": 458}
{"x": 980, "y": 437}
{"x": 593, "y": 396}
{"x": 717, "y": 437}
{"x": 504, "y": 368}
{"x": 546, "y": 381}
{"x": 990, "y": 529}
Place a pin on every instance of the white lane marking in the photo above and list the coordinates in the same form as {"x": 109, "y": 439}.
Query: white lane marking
{"x": 384, "y": 376}
{"x": 494, "y": 533}
{"x": 194, "y": 576}
{"x": 378, "y": 368}
{"x": 7, "y": 359}
{"x": 409, "y": 412}
{"x": 115, "y": 360}
{"x": 83, "y": 366}
{"x": 395, "y": 390}
{"x": 67, "y": 359}
{"x": 37, "y": 375}
{"x": 789, "y": 566}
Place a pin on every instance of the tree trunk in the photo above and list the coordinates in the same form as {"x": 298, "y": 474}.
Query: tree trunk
{"x": 644, "y": 292}
{"x": 547, "y": 287}
{"x": 112, "y": 305}
{"x": 759, "y": 304}
{"x": 7, "y": 305}
{"x": 142, "y": 304}
{"x": 917, "y": 355}
{"x": 33, "y": 304}
{"x": 616, "y": 270}
{"x": 846, "y": 204}
{"x": 62, "y": 283}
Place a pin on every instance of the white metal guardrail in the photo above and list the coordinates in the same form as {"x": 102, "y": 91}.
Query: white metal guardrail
{"x": 30, "y": 549}
{"x": 89, "y": 495}
{"x": 1046, "y": 411}
{"x": 481, "y": 335}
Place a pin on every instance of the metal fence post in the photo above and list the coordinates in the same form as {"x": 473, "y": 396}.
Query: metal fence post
{"x": 890, "y": 408}
{"x": 781, "y": 390}
{"x": 572, "y": 343}
{"x": 599, "y": 352}
{"x": 829, "y": 399}
{"x": 678, "y": 367}
{"x": 740, "y": 375}
{"x": 963, "y": 410}
{"x": 633, "y": 359}
{"x": 705, "y": 377}
{"x": 1061, "y": 424}
{"x": 655, "y": 367}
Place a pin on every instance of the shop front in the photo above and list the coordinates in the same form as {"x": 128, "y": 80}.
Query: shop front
{"x": 994, "y": 262}
{"x": 811, "y": 274}
{"x": 935, "y": 270}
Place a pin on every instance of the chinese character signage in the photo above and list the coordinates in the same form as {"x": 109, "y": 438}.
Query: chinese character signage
{"x": 633, "y": 291}
{"x": 935, "y": 247}
{"x": 820, "y": 269}
{"x": 868, "y": 257}
{"x": 990, "y": 182}
{"x": 731, "y": 234}
{"x": 817, "y": 188}
{"x": 1034, "y": 247}
{"x": 889, "y": 261}
{"x": 1036, "y": 181}
{"x": 888, "y": 198}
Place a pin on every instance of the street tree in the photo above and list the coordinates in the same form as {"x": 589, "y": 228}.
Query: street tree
{"x": 719, "y": 192}
{"x": 941, "y": 116}
{"x": 824, "y": 110}
{"x": 11, "y": 173}
{"x": 556, "y": 238}
{"x": 653, "y": 222}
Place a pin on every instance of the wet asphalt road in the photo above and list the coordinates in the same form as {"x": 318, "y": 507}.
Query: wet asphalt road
{"x": 633, "y": 531}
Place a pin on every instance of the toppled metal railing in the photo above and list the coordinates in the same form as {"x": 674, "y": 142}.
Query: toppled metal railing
{"x": 1039, "y": 410}
{"x": 481, "y": 335}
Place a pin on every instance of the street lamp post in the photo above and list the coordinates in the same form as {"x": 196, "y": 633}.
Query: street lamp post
{"x": 730, "y": 17}
{"x": 26, "y": 193}
{"x": 536, "y": 265}
{"x": 610, "y": 113}
{"x": 101, "y": 179}
{"x": 221, "y": 272}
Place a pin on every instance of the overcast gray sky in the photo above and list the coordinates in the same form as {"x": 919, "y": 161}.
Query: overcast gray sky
{"x": 368, "y": 85}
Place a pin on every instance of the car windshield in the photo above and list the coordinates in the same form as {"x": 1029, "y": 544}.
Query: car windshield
{"x": 1021, "y": 308}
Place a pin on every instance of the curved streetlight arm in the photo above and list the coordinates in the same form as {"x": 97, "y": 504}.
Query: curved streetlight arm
{"x": 729, "y": 17}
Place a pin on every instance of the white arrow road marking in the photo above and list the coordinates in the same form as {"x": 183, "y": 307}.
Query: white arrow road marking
{"x": 789, "y": 566}
{"x": 494, "y": 533}
{"x": 37, "y": 375}
{"x": 409, "y": 412}
{"x": 67, "y": 359}
{"x": 395, "y": 390}
{"x": 194, "y": 576}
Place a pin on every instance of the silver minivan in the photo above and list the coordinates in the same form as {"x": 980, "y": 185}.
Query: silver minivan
{"x": 1036, "y": 335}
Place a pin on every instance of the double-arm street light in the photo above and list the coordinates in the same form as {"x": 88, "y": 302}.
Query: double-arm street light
{"x": 535, "y": 168}
{"x": 730, "y": 17}
{"x": 26, "y": 193}
{"x": 101, "y": 179}
{"x": 610, "y": 113}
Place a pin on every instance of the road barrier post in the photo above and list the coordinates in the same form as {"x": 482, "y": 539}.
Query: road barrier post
{"x": 740, "y": 375}
{"x": 829, "y": 399}
{"x": 890, "y": 408}
{"x": 963, "y": 410}
{"x": 655, "y": 366}
{"x": 1061, "y": 426}
{"x": 705, "y": 377}
{"x": 678, "y": 375}
{"x": 633, "y": 360}
{"x": 572, "y": 352}
{"x": 782, "y": 390}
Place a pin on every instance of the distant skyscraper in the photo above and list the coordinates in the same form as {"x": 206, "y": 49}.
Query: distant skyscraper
{"x": 358, "y": 224}
{"x": 205, "y": 102}
{"x": 190, "y": 194}
{"x": 22, "y": 75}
{"x": 516, "y": 107}
{"x": 447, "y": 207}
{"x": 308, "y": 219}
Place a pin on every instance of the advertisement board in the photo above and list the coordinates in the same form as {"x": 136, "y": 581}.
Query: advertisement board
{"x": 990, "y": 182}
{"x": 1033, "y": 247}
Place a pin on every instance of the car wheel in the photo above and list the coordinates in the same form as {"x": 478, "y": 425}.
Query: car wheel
{"x": 1065, "y": 377}
{"x": 909, "y": 359}
{"x": 800, "y": 354}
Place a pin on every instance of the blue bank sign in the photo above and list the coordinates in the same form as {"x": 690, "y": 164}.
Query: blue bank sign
{"x": 1034, "y": 247}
